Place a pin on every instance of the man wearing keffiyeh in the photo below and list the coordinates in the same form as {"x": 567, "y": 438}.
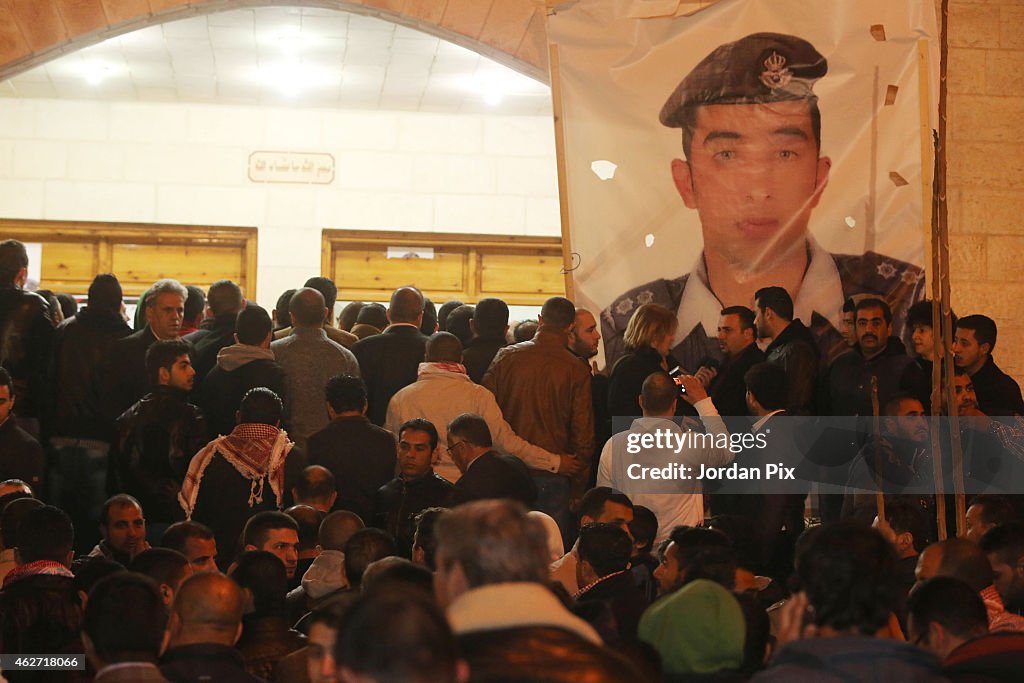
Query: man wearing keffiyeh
{"x": 237, "y": 475}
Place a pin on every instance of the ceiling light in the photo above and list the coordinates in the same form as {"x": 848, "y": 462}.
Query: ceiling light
{"x": 94, "y": 71}
{"x": 291, "y": 76}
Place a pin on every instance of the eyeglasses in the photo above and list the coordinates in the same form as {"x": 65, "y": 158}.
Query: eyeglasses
{"x": 451, "y": 448}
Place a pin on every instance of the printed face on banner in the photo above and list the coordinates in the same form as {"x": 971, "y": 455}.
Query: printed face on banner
{"x": 757, "y": 143}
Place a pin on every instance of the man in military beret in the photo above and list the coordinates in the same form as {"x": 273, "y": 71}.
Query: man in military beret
{"x": 753, "y": 170}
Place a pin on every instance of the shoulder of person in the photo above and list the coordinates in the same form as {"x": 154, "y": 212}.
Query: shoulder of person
{"x": 876, "y": 273}
{"x": 667, "y": 293}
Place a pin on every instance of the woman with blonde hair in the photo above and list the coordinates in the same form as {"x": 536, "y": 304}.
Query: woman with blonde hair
{"x": 648, "y": 338}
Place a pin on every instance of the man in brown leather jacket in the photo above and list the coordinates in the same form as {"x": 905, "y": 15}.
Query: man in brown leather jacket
{"x": 26, "y": 335}
{"x": 543, "y": 391}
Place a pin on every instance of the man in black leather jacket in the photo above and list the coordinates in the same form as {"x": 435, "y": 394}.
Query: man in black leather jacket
{"x": 26, "y": 335}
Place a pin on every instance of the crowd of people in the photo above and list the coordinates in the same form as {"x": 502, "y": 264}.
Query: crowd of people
{"x": 215, "y": 492}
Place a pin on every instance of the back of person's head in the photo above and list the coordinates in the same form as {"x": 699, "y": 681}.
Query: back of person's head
{"x": 593, "y": 501}
{"x": 345, "y": 393}
{"x": 260, "y": 406}
{"x": 224, "y": 298}
{"x": 125, "y": 619}
{"x": 493, "y": 541}
{"x": 13, "y": 257}
{"x": 1006, "y": 542}
{"x": 162, "y": 354}
{"x": 177, "y": 535}
{"x": 848, "y": 572}
{"x": 993, "y": 509}
{"x": 949, "y": 602}
{"x": 282, "y": 309}
{"x": 643, "y": 528}
{"x": 12, "y": 516}
{"x": 743, "y": 537}
{"x": 648, "y": 324}
{"x": 907, "y": 518}
{"x": 365, "y": 547}
{"x": 263, "y": 574}
{"x": 606, "y": 547}
{"x": 775, "y": 298}
{"x": 92, "y": 570}
{"x": 472, "y": 428}
{"x": 307, "y": 308}
{"x": 392, "y": 572}
{"x": 524, "y": 331}
{"x": 424, "y": 540}
{"x": 428, "y": 325}
{"x": 768, "y": 383}
{"x": 965, "y": 561}
{"x": 308, "y": 519}
{"x": 163, "y": 565}
{"x": 210, "y": 604}
{"x": 443, "y": 347}
{"x": 45, "y": 533}
{"x": 258, "y": 527}
{"x": 458, "y": 323}
{"x": 984, "y": 329}
{"x": 406, "y": 305}
{"x": 327, "y": 289}
{"x": 349, "y": 314}
{"x": 490, "y": 318}
{"x": 195, "y": 303}
{"x": 337, "y": 528}
{"x": 105, "y": 293}
{"x": 659, "y": 392}
{"x": 921, "y": 314}
{"x": 374, "y": 315}
{"x": 253, "y": 325}
{"x": 705, "y": 554}
{"x": 558, "y": 313}
{"x": 444, "y": 311}
{"x": 396, "y": 637}
{"x": 316, "y": 485}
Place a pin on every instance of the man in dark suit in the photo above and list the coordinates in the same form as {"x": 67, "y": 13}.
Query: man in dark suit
{"x": 736, "y": 337}
{"x": 388, "y": 361}
{"x": 485, "y": 473}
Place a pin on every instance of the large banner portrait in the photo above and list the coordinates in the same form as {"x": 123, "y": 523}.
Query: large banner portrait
{"x": 755, "y": 143}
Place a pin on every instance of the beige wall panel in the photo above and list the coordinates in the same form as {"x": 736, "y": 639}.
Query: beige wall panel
{"x": 140, "y": 265}
{"x": 368, "y": 269}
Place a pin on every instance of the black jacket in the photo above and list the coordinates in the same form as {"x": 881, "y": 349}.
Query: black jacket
{"x": 121, "y": 379}
{"x": 207, "y": 341}
{"x": 626, "y": 381}
{"x": 397, "y": 503}
{"x": 388, "y": 361}
{"x": 26, "y": 343}
{"x": 916, "y": 380}
{"x": 998, "y": 393}
{"x": 728, "y": 390}
{"x": 361, "y": 456}
{"x": 849, "y": 385}
{"x": 613, "y": 607}
{"x": 81, "y": 344}
{"x": 21, "y": 456}
{"x": 797, "y": 352}
{"x": 494, "y": 475}
{"x": 205, "y": 662}
{"x": 479, "y": 353}
{"x": 222, "y": 391}
{"x": 156, "y": 439}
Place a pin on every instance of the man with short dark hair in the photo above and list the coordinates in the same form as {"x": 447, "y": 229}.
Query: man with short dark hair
{"x": 244, "y": 365}
{"x": 329, "y": 290}
{"x": 984, "y": 512}
{"x": 606, "y": 584}
{"x": 165, "y": 566}
{"x": 459, "y": 323}
{"x": 945, "y": 613}
{"x": 281, "y": 316}
{"x": 205, "y": 623}
{"x": 417, "y": 487}
{"x": 490, "y": 552}
{"x": 316, "y": 488}
{"x": 601, "y": 504}
{"x": 485, "y": 472}
{"x": 124, "y": 629}
{"x": 906, "y": 527}
{"x": 224, "y": 300}
{"x": 21, "y": 456}
{"x": 309, "y": 358}
{"x": 365, "y": 547}
{"x": 444, "y": 311}
{"x": 122, "y": 378}
{"x": 359, "y": 454}
{"x": 11, "y": 515}
{"x": 276, "y": 533}
{"x": 1004, "y": 546}
{"x": 792, "y": 346}
{"x": 443, "y": 391}
{"x": 489, "y": 326}
{"x": 195, "y": 310}
{"x": 424, "y": 544}
{"x": 737, "y": 337}
{"x": 975, "y": 339}
{"x": 242, "y": 473}
{"x": 157, "y": 437}
{"x": 389, "y": 360}
{"x": 544, "y": 392}
{"x": 123, "y": 530}
{"x": 27, "y": 334}
{"x": 196, "y": 542}
{"x": 917, "y": 377}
